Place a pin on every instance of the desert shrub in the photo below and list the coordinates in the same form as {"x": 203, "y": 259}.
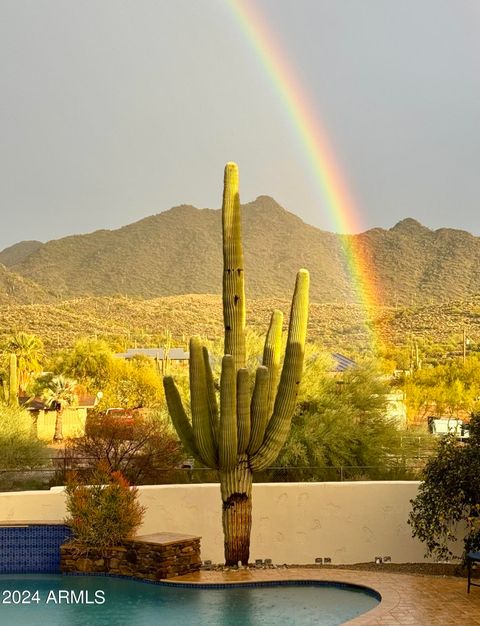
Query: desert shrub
{"x": 105, "y": 512}
{"x": 141, "y": 448}
{"x": 18, "y": 445}
{"x": 449, "y": 496}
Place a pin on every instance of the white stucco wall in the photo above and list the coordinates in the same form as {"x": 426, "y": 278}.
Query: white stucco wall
{"x": 293, "y": 523}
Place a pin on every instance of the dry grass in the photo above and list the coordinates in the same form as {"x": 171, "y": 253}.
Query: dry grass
{"x": 126, "y": 321}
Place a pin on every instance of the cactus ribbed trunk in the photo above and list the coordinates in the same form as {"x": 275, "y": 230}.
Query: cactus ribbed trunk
{"x": 234, "y": 310}
{"x": 236, "y": 488}
{"x": 248, "y": 432}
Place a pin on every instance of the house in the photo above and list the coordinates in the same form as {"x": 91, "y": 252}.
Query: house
{"x": 161, "y": 358}
{"x": 396, "y": 408}
{"x": 44, "y": 417}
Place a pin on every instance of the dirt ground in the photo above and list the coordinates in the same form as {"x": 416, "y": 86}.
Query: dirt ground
{"x": 420, "y": 569}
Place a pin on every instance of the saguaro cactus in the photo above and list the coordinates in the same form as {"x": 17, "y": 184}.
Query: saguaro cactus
{"x": 12, "y": 380}
{"x": 245, "y": 434}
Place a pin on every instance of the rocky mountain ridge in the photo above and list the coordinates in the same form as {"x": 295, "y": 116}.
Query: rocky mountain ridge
{"x": 179, "y": 252}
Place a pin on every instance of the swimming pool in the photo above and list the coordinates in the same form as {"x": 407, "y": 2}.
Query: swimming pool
{"x": 36, "y": 600}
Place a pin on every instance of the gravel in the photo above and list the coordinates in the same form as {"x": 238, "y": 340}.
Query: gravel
{"x": 421, "y": 569}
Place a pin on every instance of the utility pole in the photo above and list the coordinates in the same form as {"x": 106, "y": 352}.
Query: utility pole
{"x": 464, "y": 345}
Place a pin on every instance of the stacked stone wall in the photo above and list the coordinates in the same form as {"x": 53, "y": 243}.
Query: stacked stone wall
{"x": 137, "y": 558}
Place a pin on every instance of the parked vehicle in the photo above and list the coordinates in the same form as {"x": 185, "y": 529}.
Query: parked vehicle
{"x": 124, "y": 416}
{"x": 441, "y": 426}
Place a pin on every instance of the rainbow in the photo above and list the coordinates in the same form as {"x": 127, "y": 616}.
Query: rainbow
{"x": 342, "y": 211}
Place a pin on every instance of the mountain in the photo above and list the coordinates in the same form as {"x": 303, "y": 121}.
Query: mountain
{"x": 179, "y": 252}
{"x": 15, "y": 289}
{"x": 18, "y": 252}
{"x": 414, "y": 264}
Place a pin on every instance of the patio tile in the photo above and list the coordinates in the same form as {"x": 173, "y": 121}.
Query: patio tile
{"x": 416, "y": 600}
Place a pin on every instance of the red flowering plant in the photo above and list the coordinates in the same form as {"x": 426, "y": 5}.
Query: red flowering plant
{"x": 105, "y": 512}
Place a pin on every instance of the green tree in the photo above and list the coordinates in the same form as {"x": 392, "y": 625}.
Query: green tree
{"x": 132, "y": 384}
{"x": 60, "y": 394}
{"x": 448, "y": 389}
{"x": 342, "y": 421}
{"x": 12, "y": 380}
{"x": 89, "y": 362}
{"x": 30, "y": 352}
{"x": 450, "y": 495}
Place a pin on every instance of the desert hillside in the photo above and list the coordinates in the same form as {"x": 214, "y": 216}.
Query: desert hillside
{"x": 178, "y": 252}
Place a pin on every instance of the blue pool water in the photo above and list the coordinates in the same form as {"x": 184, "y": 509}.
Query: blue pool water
{"x": 38, "y": 600}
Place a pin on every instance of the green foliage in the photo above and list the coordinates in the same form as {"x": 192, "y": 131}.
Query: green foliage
{"x": 89, "y": 362}
{"x": 12, "y": 380}
{"x": 391, "y": 358}
{"x": 341, "y": 421}
{"x": 15, "y": 289}
{"x": 131, "y": 384}
{"x": 446, "y": 389}
{"x": 29, "y": 351}
{"x": 413, "y": 263}
{"x": 59, "y": 393}
{"x": 449, "y": 496}
{"x": 103, "y": 513}
{"x": 125, "y": 322}
{"x": 18, "y": 445}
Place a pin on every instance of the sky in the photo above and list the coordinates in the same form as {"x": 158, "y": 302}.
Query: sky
{"x": 114, "y": 110}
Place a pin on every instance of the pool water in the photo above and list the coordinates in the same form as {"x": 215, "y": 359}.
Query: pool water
{"x": 39, "y": 600}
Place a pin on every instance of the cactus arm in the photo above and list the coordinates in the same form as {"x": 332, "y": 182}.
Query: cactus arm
{"x": 234, "y": 315}
{"x": 259, "y": 409}
{"x": 211, "y": 397}
{"x": 271, "y": 356}
{"x": 241, "y": 437}
{"x": 227, "y": 443}
{"x": 243, "y": 410}
{"x": 201, "y": 424}
{"x": 279, "y": 424}
{"x": 179, "y": 418}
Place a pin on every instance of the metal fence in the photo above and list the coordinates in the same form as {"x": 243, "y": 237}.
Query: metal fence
{"x": 57, "y": 470}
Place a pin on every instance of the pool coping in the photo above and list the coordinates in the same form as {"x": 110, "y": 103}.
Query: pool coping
{"x": 417, "y": 600}
{"x": 22, "y": 523}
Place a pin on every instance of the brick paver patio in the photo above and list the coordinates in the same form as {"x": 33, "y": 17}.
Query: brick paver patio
{"x": 415, "y": 600}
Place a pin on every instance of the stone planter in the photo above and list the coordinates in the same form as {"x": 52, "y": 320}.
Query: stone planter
{"x": 147, "y": 557}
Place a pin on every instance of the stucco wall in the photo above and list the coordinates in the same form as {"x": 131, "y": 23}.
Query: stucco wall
{"x": 292, "y": 522}
{"x": 73, "y": 423}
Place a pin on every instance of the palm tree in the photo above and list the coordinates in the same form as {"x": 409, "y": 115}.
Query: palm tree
{"x": 59, "y": 394}
{"x": 29, "y": 351}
